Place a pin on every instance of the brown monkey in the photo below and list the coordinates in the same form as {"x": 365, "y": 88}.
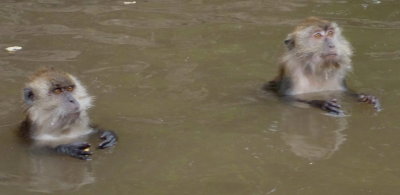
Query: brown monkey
{"x": 56, "y": 115}
{"x": 317, "y": 59}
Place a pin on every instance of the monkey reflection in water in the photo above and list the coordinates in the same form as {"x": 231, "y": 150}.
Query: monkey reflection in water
{"x": 51, "y": 175}
{"x": 56, "y": 115}
{"x": 311, "y": 135}
{"x": 316, "y": 60}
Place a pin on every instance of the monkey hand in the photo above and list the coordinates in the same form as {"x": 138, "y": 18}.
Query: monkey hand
{"x": 109, "y": 139}
{"x": 330, "y": 106}
{"x": 370, "y": 99}
{"x": 77, "y": 150}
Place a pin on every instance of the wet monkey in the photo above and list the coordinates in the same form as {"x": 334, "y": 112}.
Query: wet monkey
{"x": 56, "y": 115}
{"x": 317, "y": 59}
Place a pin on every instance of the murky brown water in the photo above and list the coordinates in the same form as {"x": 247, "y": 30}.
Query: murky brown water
{"x": 180, "y": 81}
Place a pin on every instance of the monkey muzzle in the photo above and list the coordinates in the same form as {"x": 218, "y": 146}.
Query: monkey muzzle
{"x": 329, "y": 51}
{"x": 331, "y": 56}
{"x": 71, "y": 105}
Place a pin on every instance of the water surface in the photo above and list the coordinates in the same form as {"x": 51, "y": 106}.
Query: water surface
{"x": 179, "y": 81}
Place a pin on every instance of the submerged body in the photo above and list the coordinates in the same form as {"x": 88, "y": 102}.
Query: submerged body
{"x": 56, "y": 114}
{"x": 317, "y": 59}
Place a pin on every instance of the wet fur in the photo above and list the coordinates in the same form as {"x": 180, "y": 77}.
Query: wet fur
{"x": 317, "y": 59}
{"x": 47, "y": 123}
{"x": 302, "y": 70}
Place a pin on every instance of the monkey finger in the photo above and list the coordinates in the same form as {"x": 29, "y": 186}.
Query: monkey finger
{"x": 378, "y": 108}
{"x": 107, "y": 143}
{"x": 373, "y": 100}
{"x": 106, "y": 134}
{"x": 332, "y": 108}
{"x": 110, "y": 139}
{"x": 83, "y": 157}
{"x": 81, "y": 145}
{"x": 87, "y": 158}
{"x": 333, "y": 104}
{"x": 370, "y": 99}
{"x": 377, "y": 105}
{"x": 82, "y": 152}
{"x": 333, "y": 100}
{"x": 104, "y": 145}
{"x": 366, "y": 98}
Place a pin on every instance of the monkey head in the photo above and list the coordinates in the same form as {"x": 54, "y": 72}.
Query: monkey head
{"x": 319, "y": 42}
{"x": 55, "y": 98}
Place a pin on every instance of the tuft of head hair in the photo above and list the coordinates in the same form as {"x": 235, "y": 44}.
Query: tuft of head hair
{"x": 56, "y": 106}
{"x": 312, "y": 21}
{"x": 45, "y": 79}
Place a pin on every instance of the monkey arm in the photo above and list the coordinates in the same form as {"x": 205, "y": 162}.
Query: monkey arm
{"x": 330, "y": 106}
{"x": 80, "y": 150}
{"x": 361, "y": 97}
{"x": 369, "y": 99}
{"x": 77, "y": 150}
{"x": 282, "y": 86}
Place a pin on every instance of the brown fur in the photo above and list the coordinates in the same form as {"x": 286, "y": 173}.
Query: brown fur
{"x": 47, "y": 123}
{"x": 56, "y": 115}
{"x": 54, "y": 77}
{"x": 303, "y": 67}
{"x": 311, "y": 21}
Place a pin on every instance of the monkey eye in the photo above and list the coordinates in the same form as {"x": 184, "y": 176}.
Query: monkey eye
{"x": 317, "y": 35}
{"x": 70, "y": 88}
{"x": 57, "y": 91}
{"x": 330, "y": 33}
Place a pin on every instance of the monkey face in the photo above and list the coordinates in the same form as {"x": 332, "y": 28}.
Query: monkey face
{"x": 63, "y": 97}
{"x": 322, "y": 43}
{"x": 56, "y": 96}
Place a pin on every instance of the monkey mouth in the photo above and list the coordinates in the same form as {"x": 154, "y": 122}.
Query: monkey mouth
{"x": 66, "y": 119}
{"x": 329, "y": 56}
{"x": 72, "y": 116}
{"x": 75, "y": 114}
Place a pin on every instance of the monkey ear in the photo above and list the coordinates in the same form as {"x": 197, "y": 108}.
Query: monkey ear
{"x": 289, "y": 42}
{"x": 28, "y": 96}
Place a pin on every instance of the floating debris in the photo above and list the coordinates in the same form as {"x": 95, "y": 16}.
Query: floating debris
{"x": 13, "y": 48}
{"x": 376, "y": 2}
{"x": 129, "y": 2}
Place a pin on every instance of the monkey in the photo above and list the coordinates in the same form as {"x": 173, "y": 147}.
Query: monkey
{"x": 56, "y": 105}
{"x": 316, "y": 60}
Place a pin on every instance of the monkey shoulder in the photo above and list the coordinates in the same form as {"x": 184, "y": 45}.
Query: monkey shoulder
{"x": 280, "y": 86}
{"x": 24, "y": 130}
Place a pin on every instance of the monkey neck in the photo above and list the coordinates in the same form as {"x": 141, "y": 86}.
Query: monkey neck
{"x": 44, "y": 126}
{"x": 321, "y": 72}
{"x": 311, "y": 77}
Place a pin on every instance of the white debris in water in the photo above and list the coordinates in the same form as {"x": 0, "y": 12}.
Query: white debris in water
{"x": 272, "y": 191}
{"x": 129, "y": 2}
{"x": 364, "y": 5}
{"x": 376, "y": 2}
{"x": 13, "y": 48}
